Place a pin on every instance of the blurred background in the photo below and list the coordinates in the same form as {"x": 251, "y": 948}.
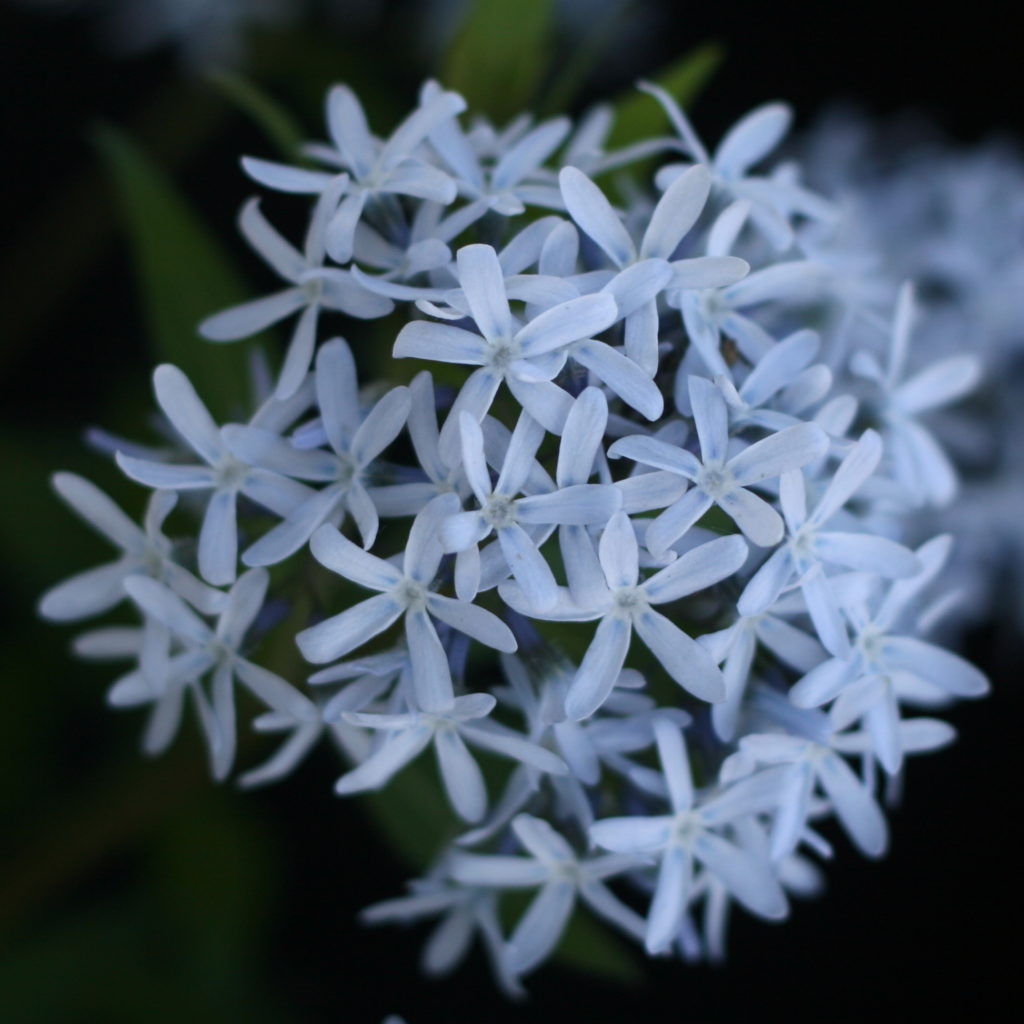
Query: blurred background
{"x": 135, "y": 890}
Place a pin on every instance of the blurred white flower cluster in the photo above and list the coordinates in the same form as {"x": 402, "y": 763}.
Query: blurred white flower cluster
{"x": 951, "y": 218}
{"x": 644, "y": 523}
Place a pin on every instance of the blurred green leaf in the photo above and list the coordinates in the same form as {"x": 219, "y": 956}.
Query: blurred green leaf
{"x": 412, "y": 813}
{"x": 213, "y": 882}
{"x": 589, "y": 946}
{"x": 500, "y": 55}
{"x": 274, "y": 120}
{"x": 639, "y": 116}
{"x": 182, "y": 272}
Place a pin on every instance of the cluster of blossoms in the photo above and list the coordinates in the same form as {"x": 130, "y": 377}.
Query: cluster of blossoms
{"x": 951, "y": 218}
{"x": 669, "y": 477}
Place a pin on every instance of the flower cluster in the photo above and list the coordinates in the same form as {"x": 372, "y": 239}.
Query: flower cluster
{"x": 658, "y": 457}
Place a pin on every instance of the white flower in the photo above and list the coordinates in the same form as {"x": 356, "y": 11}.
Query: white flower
{"x": 401, "y": 593}
{"x": 688, "y": 834}
{"x": 718, "y": 480}
{"x": 314, "y": 287}
{"x": 626, "y": 604}
{"x": 223, "y": 473}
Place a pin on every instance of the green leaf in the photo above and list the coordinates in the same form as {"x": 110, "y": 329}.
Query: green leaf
{"x": 639, "y": 116}
{"x": 276, "y": 122}
{"x": 412, "y": 813}
{"x": 589, "y": 946}
{"x": 500, "y": 55}
{"x": 183, "y": 274}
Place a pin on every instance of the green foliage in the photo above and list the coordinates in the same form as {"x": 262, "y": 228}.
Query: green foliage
{"x": 276, "y": 122}
{"x": 500, "y": 55}
{"x": 638, "y": 116}
{"x": 183, "y": 274}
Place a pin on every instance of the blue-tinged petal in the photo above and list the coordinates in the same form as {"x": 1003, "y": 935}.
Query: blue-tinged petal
{"x": 685, "y": 660}
{"x": 283, "y": 178}
{"x": 823, "y": 609}
{"x": 853, "y": 471}
{"x": 855, "y": 807}
{"x": 540, "y": 928}
{"x": 944, "y": 669}
{"x": 711, "y": 418}
{"x": 867, "y": 553}
{"x": 396, "y": 752}
{"x": 496, "y": 871}
{"x": 483, "y": 283}
{"x": 529, "y": 152}
{"x": 461, "y": 775}
{"x": 340, "y": 555}
{"x": 766, "y": 584}
{"x": 675, "y": 764}
{"x": 588, "y": 206}
{"x": 252, "y": 317}
{"x": 165, "y": 606}
{"x": 651, "y": 451}
{"x": 382, "y": 425}
{"x": 632, "y": 835}
{"x": 599, "y": 668}
{"x": 528, "y": 566}
{"x": 757, "y": 520}
{"x": 546, "y": 402}
{"x": 265, "y": 239}
{"x": 567, "y": 322}
{"x": 442, "y": 342}
{"x": 750, "y": 879}
{"x": 664, "y": 531}
{"x": 696, "y": 570}
{"x": 671, "y": 896}
{"x": 185, "y": 410}
{"x": 519, "y": 456}
{"x": 618, "y": 552}
{"x": 677, "y": 211}
{"x": 87, "y": 593}
{"x": 349, "y": 131}
{"x": 779, "y": 453}
{"x": 638, "y": 284}
{"x": 779, "y": 367}
{"x": 336, "y": 636}
{"x": 578, "y": 504}
{"x": 474, "y": 621}
{"x": 643, "y": 492}
{"x": 752, "y": 138}
{"x": 99, "y": 511}
{"x": 622, "y": 376}
{"x": 582, "y": 437}
{"x": 516, "y": 747}
{"x": 291, "y": 533}
{"x": 702, "y": 272}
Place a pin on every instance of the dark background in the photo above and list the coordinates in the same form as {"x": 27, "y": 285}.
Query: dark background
{"x": 132, "y": 890}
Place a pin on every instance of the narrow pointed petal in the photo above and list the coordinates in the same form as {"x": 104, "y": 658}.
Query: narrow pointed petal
{"x": 622, "y": 376}
{"x": 166, "y": 607}
{"x": 711, "y": 417}
{"x": 757, "y": 520}
{"x": 750, "y": 879}
{"x": 676, "y": 520}
{"x": 590, "y": 209}
{"x": 567, "y": 322}
{"x": 252, "y": 317}
{"x": 599, "y": 669}
{"x": 697, "y": 570}
{"x": 384, "y": 762}
{"x": 854, "y": 806}
{"x": 336, "y": 636}
{"x": 483, "y": 283}
{"x": 541, "y": 927}
{"x": 476, "y": 622}
{"x": 685, "y": 660}
{"x": 99, "y": 511}
{"x": 340, "y": 555}
{"x": 752, "y": 138}
{"x": 462, "y": 778}
{"x": 677, "y": 211}
{"x": 671, "y": 896}
{"x": 779, "y": 453}
{"x": 853, "y": 471}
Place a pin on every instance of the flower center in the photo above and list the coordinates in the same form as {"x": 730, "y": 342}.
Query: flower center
{"x": 500, "y": 511}
{"x": 715, "y": 479}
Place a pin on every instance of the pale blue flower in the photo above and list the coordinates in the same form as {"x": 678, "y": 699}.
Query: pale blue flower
{"x": 224, "y": 474}
{"x": 689, "y": 834}
{"x": 561, "y": 878}
{"x": 403, "y": 594}
{"x": 355, "y": 441}
{"x": 217, "y": 651}
{"x": 626, "y": 604}
{"x": 526, "y": 358}
{"x": 717, "y": 479}
{"x": 408, "y": 734}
